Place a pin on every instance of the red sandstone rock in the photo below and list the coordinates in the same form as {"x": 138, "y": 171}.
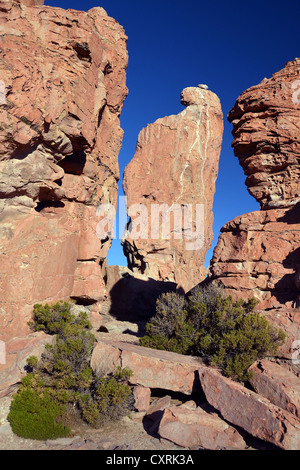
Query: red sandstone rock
{"x": 141, "y": 398}
{"x": 151, "y": 368}
{"x": 17, "y": 350}
{"x": 158, "y": 405}
{"x": 175, "y": 164}
{"x": 62, "y": 90}
{"x": 257, "y": 254}
{"x": 266, "y": 135}
{"x": 277, "y": 384}
{"x": 250, "y": 411}
{"x": 288, "y": 319}
{"x": 155, "y": 412}
{"x": 190, "y": 426}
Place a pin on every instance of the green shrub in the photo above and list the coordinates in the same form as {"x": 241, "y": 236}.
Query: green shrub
{"x": 169, "y": 329}
{"x": 58, "y": 319}
{"x": 34, "y": 415}
{"x": 225, "y": 333}
{"x": 62, "y": 384}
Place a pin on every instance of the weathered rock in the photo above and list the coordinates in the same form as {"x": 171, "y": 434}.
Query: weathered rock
{"x": 16, "y": 351}
{"x": 142, "y": 397}
{"x": 250, "y": 411}
{"x": 175, "y": 166}
{"x": 266, "y": 134}
{"x": 151, "y": 368}
{"x": 258, "y": 255}
{"x": 277, "y": 384}
{"x": 287, "y": 319}
{"x": 155, "y": 412}
{"x": 190, "y": 426}
{"x": 158, "y": 405}
{"x": 62, "y": 90}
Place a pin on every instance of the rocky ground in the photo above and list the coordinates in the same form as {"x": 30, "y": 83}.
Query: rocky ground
{"x": 132, "y": 432}
{"x": 128, "y": 434}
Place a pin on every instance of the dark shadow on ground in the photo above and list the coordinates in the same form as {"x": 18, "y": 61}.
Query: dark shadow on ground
{"x": 134, "y": 299}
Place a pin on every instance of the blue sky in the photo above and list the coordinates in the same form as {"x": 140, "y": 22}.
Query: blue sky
{"x": 173, "y": 44}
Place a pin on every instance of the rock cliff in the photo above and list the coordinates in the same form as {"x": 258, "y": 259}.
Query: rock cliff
{"x": 170, "y": 185}
{"x": 258, "y": 254}
{"x": 63, "y": 77}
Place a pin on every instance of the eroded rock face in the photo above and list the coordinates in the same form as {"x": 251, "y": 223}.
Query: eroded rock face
{"x": 257, "y": 254}
{"x": 266, "y": 133}
{"x": 175, "y": 165}
{"x": 62, "y": 88}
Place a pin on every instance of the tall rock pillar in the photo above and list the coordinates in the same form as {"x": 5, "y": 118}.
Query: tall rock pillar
{"x": 169, "y": 185}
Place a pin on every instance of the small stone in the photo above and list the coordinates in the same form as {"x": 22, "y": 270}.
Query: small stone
{"x": 141, "y": 398}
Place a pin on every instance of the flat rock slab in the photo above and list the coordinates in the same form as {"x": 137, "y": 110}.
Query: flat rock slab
{"x": 151, "y": 368}
{"x": 250, "y": 411}
{"x": 277, "y": 384}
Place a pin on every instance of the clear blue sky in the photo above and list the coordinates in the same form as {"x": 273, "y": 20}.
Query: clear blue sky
{"x": 228, "y": 45}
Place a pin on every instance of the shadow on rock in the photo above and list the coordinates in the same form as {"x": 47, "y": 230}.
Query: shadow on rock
{"x": 286, "y": 288}
{"x": 132, "y": 298}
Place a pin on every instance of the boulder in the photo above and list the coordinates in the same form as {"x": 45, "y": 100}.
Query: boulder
{"x": 190, "y": 426}
{"x": 257, "y": 255}
{"x": 16, "y": 352}
{"x": 251, "y": 411}
{"x": 151, "y": 368}
{"x": 142, "y": 397}
{"x": 279, "y": 385}
{"x": 155, "y": 412}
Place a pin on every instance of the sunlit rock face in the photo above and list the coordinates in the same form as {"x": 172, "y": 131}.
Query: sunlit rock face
{"x": 258, "y": 253}
{"x": 173, "y": 170}
{"x": 266, "y": 137}
{"x": 62, "y": 88}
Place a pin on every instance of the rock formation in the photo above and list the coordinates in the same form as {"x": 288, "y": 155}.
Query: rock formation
{"x": 168, "y": 184}
{"x": 62, "y": 86}
{"x": 212, "y": 411}
{"x": 258, "y": 253}
{"x": 266, "y": 131}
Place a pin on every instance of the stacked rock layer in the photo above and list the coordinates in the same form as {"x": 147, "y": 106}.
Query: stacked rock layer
{"x": 62, "y": 88}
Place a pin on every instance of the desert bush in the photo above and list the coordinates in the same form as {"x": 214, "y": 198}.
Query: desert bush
{"x": 169, "y": 329}
{"x": 111, "y": 398}
{"x": 64, "y": 381}
{"x": 35, "y": 415}
{"x": 57, "y": 319}
{"x": 228, "y": 334}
